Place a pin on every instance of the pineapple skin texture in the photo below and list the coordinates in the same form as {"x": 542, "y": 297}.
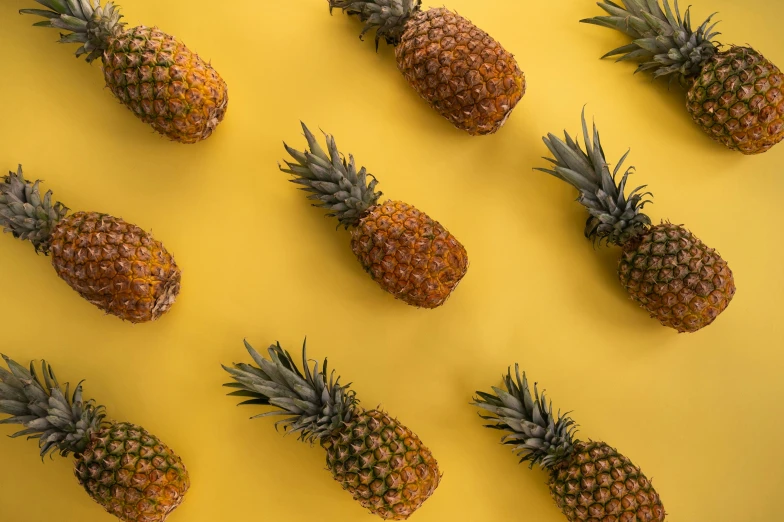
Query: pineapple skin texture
{"x": 598, "y": 484}
{"x": 132, "y": 474}
{"x": 738, "y": 99}
{"x": 677, "y": 278}
{"x": 383, "y": 464}
{"x": 165, "y": 84}
{"x": 460, "y": 70}
{"x": 115, "y": 265}
{"x": 409, "y": 254}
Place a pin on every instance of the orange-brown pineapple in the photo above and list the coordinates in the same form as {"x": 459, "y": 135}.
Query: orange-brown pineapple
{"x": 128, "y": 471}
{"x": 460, "y": 70}
{"x": 115, "y": 265}
{"x": 155, "y": 75}
{"x": 381, "y": 462}
{"x": 665, "y": 268}
{"x": 406, "y": 252}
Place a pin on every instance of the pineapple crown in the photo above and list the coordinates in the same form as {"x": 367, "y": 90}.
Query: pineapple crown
{"x": 88, "y": 23}
{"x": 614, "y": 218}
{"x": 25, "y": 214}
{"x": 387, "y": 17}
{"x": 535, "y": 434}
{"x": 334, "y": 183}
{"x": 663, "y": 40}
{"x": 60, "y": 421}
{"x": 315, "y": 404}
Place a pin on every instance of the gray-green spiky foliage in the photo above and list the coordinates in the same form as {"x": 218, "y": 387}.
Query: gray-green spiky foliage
{"x": 25, "y": 214}
{"x": 614, "y": 217}
{"x": 88, "y": 23}
{"x": 315, "y": 404}
{"x": 334, "y": 183}
{"x": 62, "y": 422}
{"x": 387, "y": 17}
{"x": 536, "y": 434}
{"x": 663, "y": 40}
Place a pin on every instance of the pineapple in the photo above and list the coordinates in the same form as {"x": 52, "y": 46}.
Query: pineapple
{"x": 409, "y": 254}
{"x": 381, "y": 462}
{"x": 460, "y": 70}
{"x": 127, "y": 470}
{"x": 665, "y": 268}
{"x": 163, "y": 82}
{"x": 735, "y": 94}
{"x": 115, "y": 265}
{"x": 589, "y": 481}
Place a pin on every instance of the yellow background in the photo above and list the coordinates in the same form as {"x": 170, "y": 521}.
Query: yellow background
{"x": 699, "y": 413}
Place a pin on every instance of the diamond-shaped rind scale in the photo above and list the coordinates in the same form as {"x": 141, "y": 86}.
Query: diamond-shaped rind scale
{"x": 115, "y": 265}
{"x": 676, "y": 277}
{"x": 165, "y": 84}
{"x": 132, "y": 474}
{"x": 409, "y": 254}
{"x": 598, "y": 484}
{"x": 383, "y": 464}
{"x": 738, "y": 99}
{"x": 460, "y": 70}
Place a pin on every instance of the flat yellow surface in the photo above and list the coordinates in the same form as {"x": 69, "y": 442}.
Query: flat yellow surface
{"x": 699, "y": 413}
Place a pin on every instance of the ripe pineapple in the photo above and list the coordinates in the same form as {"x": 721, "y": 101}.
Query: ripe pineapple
{"x": 589, "y": 481}
{"x": 734, "y": 94}
{"x": 163, "y": 82}
{"x": 460, "y": 70}
{"x": 665, "y": 268}
{"x": 115, "y": 265}
{"x": 403, "y": 249}
{"x": 128, "y": 471}
{"x": 381, "y": 462}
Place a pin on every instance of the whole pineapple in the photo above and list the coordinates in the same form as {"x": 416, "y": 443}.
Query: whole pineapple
{"x": 381, "y": 462}
{"x": 665, "y": 268}
{"x": 589, "y": 481}
{"x": 127, "y": 470}
{"x": 409, "y": 254}
{"x": 113, "y": 264}
{"x": 460, "y": 70}
{"x": 735, "y": 94}
{"x": 152, "y": 73}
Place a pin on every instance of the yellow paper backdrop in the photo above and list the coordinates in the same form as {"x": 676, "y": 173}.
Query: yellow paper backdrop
{"x": 699, "y": 413}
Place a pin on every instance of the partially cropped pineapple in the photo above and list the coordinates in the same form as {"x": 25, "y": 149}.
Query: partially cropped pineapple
{"x": 163, "y": 82}
{"x": 735, "y": 94}
{"x": 665, "y": 268}
{"x": 460, "y": 70}
{"x": 381, "y": 462}
{"x": 127, "y": 470}
{"x": 403, "y": 249}
{"x": 589, "y": 481}
{"x": 115, "y": 265}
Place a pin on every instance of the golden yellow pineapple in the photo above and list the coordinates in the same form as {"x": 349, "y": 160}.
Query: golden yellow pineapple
{"x": 115, "y": 265}
{"x": 735, "y": 94}
{"x": 406, "y": 252}
{"x": 665, "y": 268}
{"x": 155, "y": 75}
{"x": 381, "y": 462}
{"x": 460, "y": 70}
{"x": 589, "y": 481}
{"x": 128, "y": 471}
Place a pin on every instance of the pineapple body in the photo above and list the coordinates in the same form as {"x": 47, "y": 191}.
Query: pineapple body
{"x": 738, "y": 99}
{"x": 132, "y": 474}
{"x": 383, "y": 464}
{"x": 460, "y": 70}
{"x": 676, "y": 277}
{"x": 165, "y": 84}
{"x": 409, "y": 254}
{"x": 115, "y": 265}
{"x": 598, "y": 484}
